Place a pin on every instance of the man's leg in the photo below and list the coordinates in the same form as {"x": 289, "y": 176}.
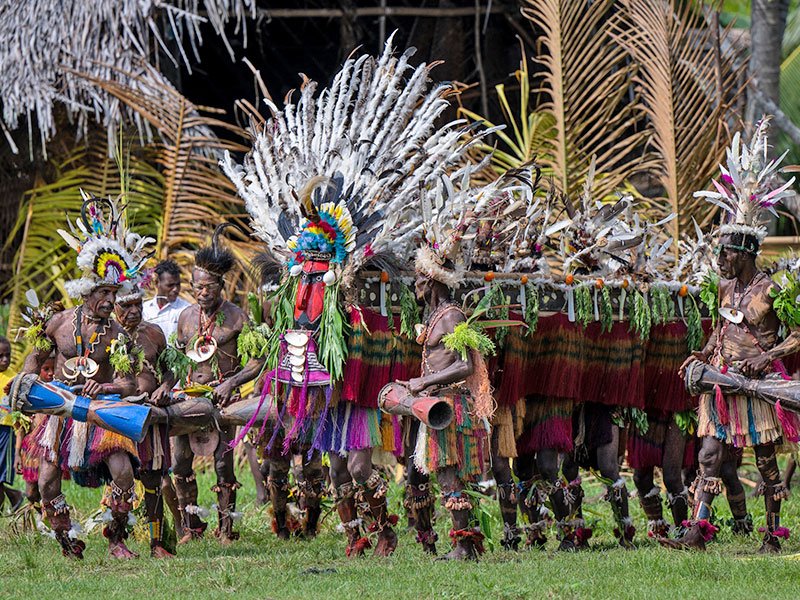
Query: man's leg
{"x": 707, "y": 486}
{"x": 530, "y": 498}
{"x": 262, "y": 494}
{"x": 506, "y": 496}
{"x": 468, "y": 540}
{"x": 419, "y": 498}
{"x": 56, "y": 509}
{"x": 226, "y": 486}
{"x": 311, "y": 487}
{"x": 344, "y": 496}
{"x": 672, "y": 467}
{"x": 371, "y": 496}
{"x": 278, "y": 484}
{"x": 774, "y": 491}
{"x": 170, "y": 497}
{"x": 734, "y": 492}
{"x": 650, "y": 501}
{"x": 154, "y": 506}
{"x": 186, "y": 489}
{"x": 617, "y": 492}
{"x": 121, "y": 503}
{"x": 566, "y": 495}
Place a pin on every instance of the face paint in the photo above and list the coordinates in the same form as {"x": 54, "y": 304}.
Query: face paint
{"x": 310, "y": 295}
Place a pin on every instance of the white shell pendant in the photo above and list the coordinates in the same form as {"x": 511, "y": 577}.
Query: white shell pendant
{"x": 298, "y": 377}
{"x": 296, "y": 338}
{"x": 297, "y": 361}
{"x": 202, "y": 350}
{"x": 731, "y": 314}
{"x": 79, "y": 365}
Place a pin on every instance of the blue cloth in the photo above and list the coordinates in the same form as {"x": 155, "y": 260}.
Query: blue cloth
{"x": 7, "y": 448}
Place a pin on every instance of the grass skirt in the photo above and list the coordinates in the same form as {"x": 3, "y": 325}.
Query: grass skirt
{"x": 647, "y": 450}
{"x": 503, "y": 430}
{"x": 80, "y": 449}
{"x": 546, "y": 424}
{"x": 29, "y": 459}
{"x": 750, "y": 421}
{"x": 463, "y": 444}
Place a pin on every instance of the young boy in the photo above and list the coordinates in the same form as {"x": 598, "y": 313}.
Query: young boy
{"x": 26, "y": 462}
{"x": 7, "y": 439}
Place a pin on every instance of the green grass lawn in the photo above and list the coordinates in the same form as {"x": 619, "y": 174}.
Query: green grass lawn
{"x": 259, "y": 566}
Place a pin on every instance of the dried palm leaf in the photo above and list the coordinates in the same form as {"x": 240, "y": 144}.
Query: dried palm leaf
{"x": 688, "y": 88}
{"x": 585, "y": 80}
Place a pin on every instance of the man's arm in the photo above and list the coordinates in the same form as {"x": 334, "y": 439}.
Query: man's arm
{"x": 457, "y": 370}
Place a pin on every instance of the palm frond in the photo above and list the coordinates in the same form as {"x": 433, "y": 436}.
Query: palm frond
{"x": 585, "y": 82}
{"x": 687, "y": 91}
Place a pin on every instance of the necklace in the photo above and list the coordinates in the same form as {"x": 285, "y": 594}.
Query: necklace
{"x": 205, "y": 346}
{"x": 734, "y": 313}
{"x": 430, "y": 324}
{"x": 81, "y": 365}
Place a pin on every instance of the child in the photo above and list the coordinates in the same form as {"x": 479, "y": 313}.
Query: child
{"x": 26, "y": 463}
{"x": 7, "y": 438}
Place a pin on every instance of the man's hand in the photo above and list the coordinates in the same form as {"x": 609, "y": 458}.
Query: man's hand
{"x": 753, "y": 367}
{"x": 18, "y": 464}
{"x": 694, "y": 356}
{"x": 91, "y": 389}
{"x": 223, "y": 393}
{"x": 416, "y": 385}
{"x": 162, "y": 396}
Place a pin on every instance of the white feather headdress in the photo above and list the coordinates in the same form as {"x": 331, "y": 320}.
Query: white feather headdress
{"x": 108, "y": 254}
{"x": 748, "y": 188}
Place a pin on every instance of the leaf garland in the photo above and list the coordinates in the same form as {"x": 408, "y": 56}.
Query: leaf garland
{"x": 636, "y": 417}
{"x": 498, "y": 309}
{"x": 583, "y": 305}
{"x": 35, "y": 336}
{"x": 332, "y": 330}
{"x": 409, "y": 312}
{"x": 709, "y": 295}
{"x": 686, "y": 421}
{"x": 785, "y": 301}
{"x": 640, "y": 316}
{"x": 124, "y": 357}
{"x": 606, "y": 310}
{"x": 174, "y": 361}
{"x": 282, "y": 314}
{"x": 694, "y": 327}
{"x": 531, "y": 315}
{"x": 661, "y": 305}
{"x": 252, "y": 342}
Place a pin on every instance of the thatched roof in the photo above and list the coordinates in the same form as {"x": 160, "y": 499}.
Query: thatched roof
{"x": 46, "y": 42}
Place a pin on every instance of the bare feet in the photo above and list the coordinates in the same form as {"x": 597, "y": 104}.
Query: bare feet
{"x": 160, "y": 552}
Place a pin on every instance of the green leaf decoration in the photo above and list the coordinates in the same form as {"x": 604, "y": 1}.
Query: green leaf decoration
{"x": 709, "y": 295}
{"x": 332, "y": 331}
{"x": 694, "y": 327}
{"x": 784, "y": 301}
{"x": 409, "y": 312}
{"x": 531, "y": 315}
{"x": 253, "y": 342}
{"x": 469, "y": 336}
{"x": 606, "y": 309}
{"x": 583, "y": 305}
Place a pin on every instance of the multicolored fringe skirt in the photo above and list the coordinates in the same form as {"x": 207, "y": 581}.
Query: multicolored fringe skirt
{"x": 544, "y": 424}
{"x": 647, "y": 449}
{"x": 748, "y": 422}
{"x": 28, "y": 458}
{"x": 7, "y": 447}
{"x": 463, "y": 444}
{"x": 154, "y": 450}
{"x": 80, "y": 449}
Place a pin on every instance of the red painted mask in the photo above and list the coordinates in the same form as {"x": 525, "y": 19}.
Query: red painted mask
{"x": 308, "y": 303}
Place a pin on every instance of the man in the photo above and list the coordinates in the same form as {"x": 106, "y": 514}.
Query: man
{"x": 7, "y": 439}
{"x": 207, "y": 333}
{"x": 154, "y": 451}
{"x": 745, "y": 339}
{"x": 458, "y": 453}
{"x": 166, "y": 307}
{"x": 751, "y": 346}
{"x": 87, "y": 344}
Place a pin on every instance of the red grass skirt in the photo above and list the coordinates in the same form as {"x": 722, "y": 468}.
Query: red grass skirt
{"x": 647, "y": 450}
{"x": 546, "y": 424}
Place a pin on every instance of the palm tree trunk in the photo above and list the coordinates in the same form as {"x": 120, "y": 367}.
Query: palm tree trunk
{"x": 768, "y": 21}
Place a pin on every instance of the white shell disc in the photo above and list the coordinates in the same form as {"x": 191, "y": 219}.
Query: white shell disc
{"x": 297, "y": 350}
{"x": 296, "y": 338}
{"x": 297, "y": 361}
{"x": 298, "y": 377}
{"x": 731, "y": 314}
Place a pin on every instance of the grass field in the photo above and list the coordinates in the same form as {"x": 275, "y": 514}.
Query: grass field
{"x": 258, "y": 566}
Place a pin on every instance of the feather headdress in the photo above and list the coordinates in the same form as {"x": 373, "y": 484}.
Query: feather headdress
{"x": 108, "y": 254}
{"x": 344, "y": 173}
{"x": 748, "y": 189}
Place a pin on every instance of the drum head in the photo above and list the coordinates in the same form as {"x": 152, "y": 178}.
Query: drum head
{"x": 204, "y": 442}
